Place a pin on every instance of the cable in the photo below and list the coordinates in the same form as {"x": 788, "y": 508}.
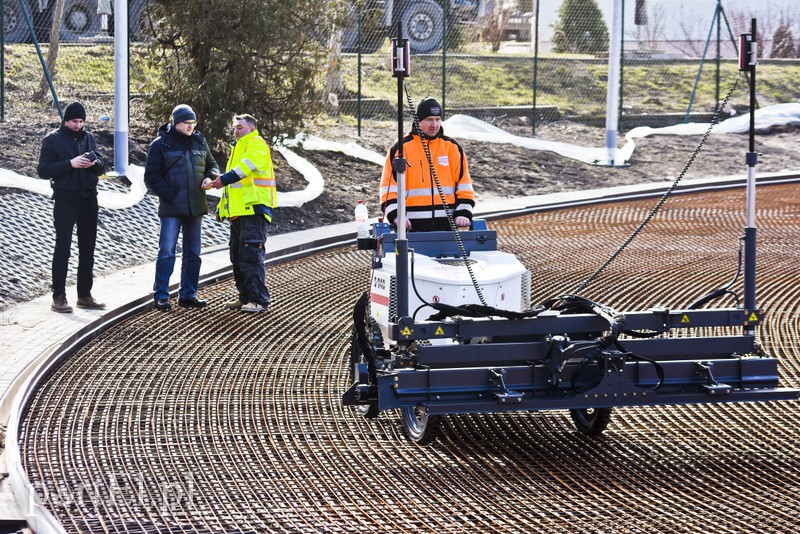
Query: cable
{"x": 667, "y": 193}
{"x": 724, "y": 290}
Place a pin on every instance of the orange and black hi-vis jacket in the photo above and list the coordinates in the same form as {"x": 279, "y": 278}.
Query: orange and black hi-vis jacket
{"x": 423, "y": 202}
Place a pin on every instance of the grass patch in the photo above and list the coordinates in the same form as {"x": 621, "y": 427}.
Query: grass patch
{"x": 576, "y": 85}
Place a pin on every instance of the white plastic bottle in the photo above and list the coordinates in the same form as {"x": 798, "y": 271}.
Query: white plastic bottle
{"x": 362, "y": 219}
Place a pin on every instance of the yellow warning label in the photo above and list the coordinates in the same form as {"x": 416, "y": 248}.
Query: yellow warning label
{"x": 753, "y": 318}
{"x": 439, "y": 331}
{"x": 406, "y": 331}
{"x": 685, "y": 319}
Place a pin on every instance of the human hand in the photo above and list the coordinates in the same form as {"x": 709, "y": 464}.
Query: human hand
{"x": 206, "y": 184}
{"x": 81, "y": 162}
{"x": 462, "y": 222}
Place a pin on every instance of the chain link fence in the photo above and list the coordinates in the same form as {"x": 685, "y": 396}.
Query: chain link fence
{"x": 535, "y": 60}
{"x": 81, "y": 20}
{"x": 546, "y": 60}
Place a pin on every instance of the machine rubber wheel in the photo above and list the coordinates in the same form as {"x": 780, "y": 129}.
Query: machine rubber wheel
{"x": 420, "y": 427}
{"x": 365, "y": 334}
{"x": 368, "y": 411}
{"x": 591, "y": 421}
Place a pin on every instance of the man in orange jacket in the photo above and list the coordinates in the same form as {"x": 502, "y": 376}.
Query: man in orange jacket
{"x": 432, "y": 157}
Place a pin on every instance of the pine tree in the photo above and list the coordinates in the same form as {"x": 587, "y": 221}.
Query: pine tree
{"x": 223, "y": 57}
{"x": 580, "y": 28}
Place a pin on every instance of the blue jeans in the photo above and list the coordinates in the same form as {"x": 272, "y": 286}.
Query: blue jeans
{"x": 190, "y": 264}
{"x": 248, "y": 255}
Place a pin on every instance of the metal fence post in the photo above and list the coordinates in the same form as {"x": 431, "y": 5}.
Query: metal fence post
{"x": 535, "y": 67}
{"x": 2, "y": 61}
{"x": 359, "y": 38}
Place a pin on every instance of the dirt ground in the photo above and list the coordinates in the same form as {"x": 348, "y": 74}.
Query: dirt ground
{"x": 498, "y": 170}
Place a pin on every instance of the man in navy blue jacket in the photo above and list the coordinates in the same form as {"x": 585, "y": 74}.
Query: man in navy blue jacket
{"x": 70, "y": 160}
{"x": 178, "y": 162}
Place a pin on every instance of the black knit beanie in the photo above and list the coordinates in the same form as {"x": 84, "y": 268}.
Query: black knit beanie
{"x": 182, "y": 113}
{"x": 428, "y": 107}
{"x": 74, "y": 111}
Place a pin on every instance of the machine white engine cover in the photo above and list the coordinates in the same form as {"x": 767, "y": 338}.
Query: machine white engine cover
{"x": 503, "y": 280}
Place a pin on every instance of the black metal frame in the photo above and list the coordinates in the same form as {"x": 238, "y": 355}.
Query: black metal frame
{"x": 559, "y": 360}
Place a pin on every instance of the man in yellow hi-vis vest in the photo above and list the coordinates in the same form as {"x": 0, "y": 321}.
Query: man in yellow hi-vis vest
{"x": 248, "y": 198}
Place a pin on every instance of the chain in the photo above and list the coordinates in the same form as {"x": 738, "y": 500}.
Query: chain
{"x": 667, "y": 193}
{"x": 442, "y": 197}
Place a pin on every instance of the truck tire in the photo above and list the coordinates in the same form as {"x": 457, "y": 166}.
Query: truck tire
{"x": 373, "y": 33}
{"x": 80, "y": 21}
{"x": 141, "y": 20}
{"x": 371, "y": 42}
{"x": 15, "y": 29}
{"x": 422, "y": 25}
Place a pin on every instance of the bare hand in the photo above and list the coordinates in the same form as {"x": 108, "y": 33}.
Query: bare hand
{"x": 462, "y": 222}
{"x": 206, "y": 184}
{"x": 81, "y": 162}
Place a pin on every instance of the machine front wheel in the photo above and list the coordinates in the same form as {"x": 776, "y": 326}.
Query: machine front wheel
{"x": 420, "y": 427}
{"x": 591, "y": 421}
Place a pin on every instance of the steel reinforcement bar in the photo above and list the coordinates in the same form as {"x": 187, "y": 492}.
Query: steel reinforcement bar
{"x": 216, "y": 421}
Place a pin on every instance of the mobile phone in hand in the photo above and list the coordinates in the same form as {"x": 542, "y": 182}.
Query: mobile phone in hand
{"x": 91, "y": 156}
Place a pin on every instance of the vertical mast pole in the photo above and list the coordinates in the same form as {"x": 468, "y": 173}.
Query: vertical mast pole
{"x": 401, "y": 68}
{"x": 747, "y": 62}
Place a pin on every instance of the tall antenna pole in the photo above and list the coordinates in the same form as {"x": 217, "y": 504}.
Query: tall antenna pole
{"x": 401, "y": 68}
{"x": 747, "y": 62}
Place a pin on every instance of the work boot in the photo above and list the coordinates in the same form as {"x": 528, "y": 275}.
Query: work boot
{"x": 88, "y": 303}
{"x": 253, "y": 307}
{"x": 60, "y": 304}
{"x": 193, "y": 302}
{"x": 234, "y": 304}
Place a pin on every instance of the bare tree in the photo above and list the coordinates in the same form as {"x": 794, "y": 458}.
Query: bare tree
{"x": 783, "y": 42}
{"x": 52, "y": 51}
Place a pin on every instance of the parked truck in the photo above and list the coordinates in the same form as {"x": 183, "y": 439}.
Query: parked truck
{"x": 82, "y": 19}
{"x": 422, "y": 22}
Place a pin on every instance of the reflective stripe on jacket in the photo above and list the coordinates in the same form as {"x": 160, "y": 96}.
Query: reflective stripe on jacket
{"x": 251, "y": 161}
{"x": 423, "y": 201}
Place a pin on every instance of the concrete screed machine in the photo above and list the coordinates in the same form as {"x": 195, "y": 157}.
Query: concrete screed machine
{"x": 485, "y": 349}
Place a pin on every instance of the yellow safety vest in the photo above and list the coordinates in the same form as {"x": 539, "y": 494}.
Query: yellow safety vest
{"x": 250, "y": 159}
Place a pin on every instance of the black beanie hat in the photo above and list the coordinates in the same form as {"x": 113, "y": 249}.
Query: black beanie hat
{"x": 182, "y": 113}
{"x": 428, "y": 107}
{"x": 74, "y": 111}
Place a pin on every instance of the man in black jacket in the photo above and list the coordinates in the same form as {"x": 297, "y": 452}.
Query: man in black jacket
{"x": 69, "y": 159}
{"x": 178, "y": 162}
